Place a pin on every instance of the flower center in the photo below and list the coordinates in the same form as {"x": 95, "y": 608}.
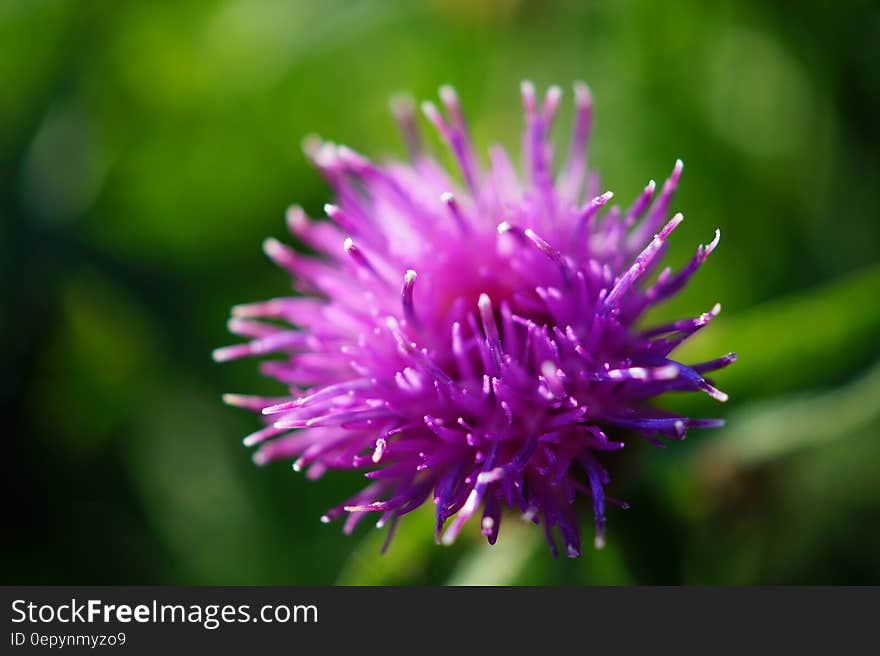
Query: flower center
{"x": 453, "y": 281}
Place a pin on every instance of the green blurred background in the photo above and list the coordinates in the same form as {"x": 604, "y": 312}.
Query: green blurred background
{"x": 148, "y": 148}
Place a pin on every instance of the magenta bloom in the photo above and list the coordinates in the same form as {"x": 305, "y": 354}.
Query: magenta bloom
{"x": 472, "y": 342}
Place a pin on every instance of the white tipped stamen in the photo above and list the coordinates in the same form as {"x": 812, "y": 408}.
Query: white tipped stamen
{"x": 490, "y": 327}
{"x": 665, "y": 372}
{"x": 550, "y": 252}
{"x": 449, "y": 96}
{"x": 470, "y": 506}
{"x": 296, "y": 219}
{"x": 356, "y": 254}
{"x": 381, "y": 444}
{"x": 589, "y": 211}
{"x": 406, "y": 294}
{"x": 226, "y": 353}
{"x": 582, "y": 95}
{"x": 669, "y": 372}
{"x": 485, "y": 304}
{"x": 352, "y": 159}
{"x": 672, "y": 225}
{"x": 491, "y": 476}
{"x": 708, "y": 248}
{"x": 715, "y": 311}
{"x": 311, "y": 143}
{"x": 640, "y": 205}
{"x": 244, "y": 311}
{"x": 455, "y": 210}
{"x": 402, "y": 106}
{"x": 322, "y": 153}
{"x": 718, "y": 395}
{"x": 431, "y": 112}
{"x": 554, "y": 377}
{"x": 551, "y": 103}
{"x": 257, "y": 437}
{"x": 573, "y": 171}
{"x": 280, "y": 407}
{"x": 527, "y": 90}
{"x": 273, "y": 248}
{"x": 641, "y": 263}
{"x": 360, "y": 258}
{"x": 340, "y": 218}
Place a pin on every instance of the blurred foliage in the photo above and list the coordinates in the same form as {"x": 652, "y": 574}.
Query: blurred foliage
{"x": 147, "y": 148}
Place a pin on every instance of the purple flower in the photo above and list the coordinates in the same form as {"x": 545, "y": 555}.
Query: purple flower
{"x": 472, "y": 341}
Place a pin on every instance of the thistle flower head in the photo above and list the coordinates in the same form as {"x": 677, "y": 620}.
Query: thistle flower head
{"x": 472, "y": 339}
